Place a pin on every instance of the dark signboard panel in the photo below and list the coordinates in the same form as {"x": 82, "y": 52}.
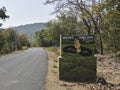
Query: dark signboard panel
{"x": 77, "y": 62}
{"x": 77, "y": 46}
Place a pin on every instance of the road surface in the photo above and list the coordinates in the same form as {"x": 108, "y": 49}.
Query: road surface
{"x": 24, "y": 70}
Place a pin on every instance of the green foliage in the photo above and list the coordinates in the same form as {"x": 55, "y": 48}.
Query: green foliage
{"x": 3, "y": 13}
{"x": 98, "y": 20}
{"x": 2, "y": 40}
{"x": 77, "y": 69}
{"x": 24, "y": 48}
{"x": 5, "y": 49}
{"x": 10, "y": 41}
{"x": 55, "y": 51}
{"x": 66, "y": 24}
{"x": 110, "y": 25}
{"x": 23, "y": 41}
{"x": 10, "y": 38}
{"x": 111, "y": 40}
{"x": 42, "y": 39}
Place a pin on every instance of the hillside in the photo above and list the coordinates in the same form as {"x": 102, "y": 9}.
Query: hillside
{"x": 30, "y": 29}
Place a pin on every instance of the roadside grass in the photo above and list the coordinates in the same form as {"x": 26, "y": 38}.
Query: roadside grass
{"x": 24, "y": 48}
{"x": 50, "y": 50}
{"x": 14, "y": 52}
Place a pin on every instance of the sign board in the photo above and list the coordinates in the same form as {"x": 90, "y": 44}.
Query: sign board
{"x": 77, "y": 46}
{"x": 77, "y": 62}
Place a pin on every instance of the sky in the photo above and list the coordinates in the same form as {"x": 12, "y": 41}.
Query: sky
{"x": 23, "y": 12}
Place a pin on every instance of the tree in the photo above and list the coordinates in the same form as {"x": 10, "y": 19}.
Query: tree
{"x": 3, "y": 15}
{"x": 38, "y": 38}
{"x": 22, "y": 41}
{"x": 66, "y": 24}
{"x": 82, "y": 8}
{"x": 42, "y": 38}
{"x": 10, "y": 41}
{"x": 2, "y": 40}
{"x": 10, "y": 38}
{"x": 111, "y": 24}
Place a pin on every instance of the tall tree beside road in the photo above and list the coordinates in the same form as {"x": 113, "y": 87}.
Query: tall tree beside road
{"x": 3, "y": 15}
{"x": 10, "y": 41}
{"x": 94, "y": 16}
{"x": 22, "y": 40}
{"x": 111, "y": 24}
{"x": 42, "y": 38}
{"x": 2, "y": 40}
{"x": 65, "y": 24}
{"x": 84, "y": 9}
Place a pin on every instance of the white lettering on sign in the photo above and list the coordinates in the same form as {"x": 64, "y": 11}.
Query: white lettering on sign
{"x": 70, "y": 37}
{"x": 89, "y": 37}
{"x": 82, "y": 37}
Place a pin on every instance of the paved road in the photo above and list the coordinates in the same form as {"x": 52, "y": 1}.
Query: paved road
{"x": 23, "y": 71}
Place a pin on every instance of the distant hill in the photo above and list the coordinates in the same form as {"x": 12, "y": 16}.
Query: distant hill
{"x": 30, "y": 29}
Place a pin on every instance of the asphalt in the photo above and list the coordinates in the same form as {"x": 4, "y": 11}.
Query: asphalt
{"x": 24, "y": 70}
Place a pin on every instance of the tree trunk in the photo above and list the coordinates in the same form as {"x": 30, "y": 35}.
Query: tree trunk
{"x": 101, "y": 44}
{"x": 100, "y": 40}
{"x": 87, "y": 25}
{"x": 114, "y": 46}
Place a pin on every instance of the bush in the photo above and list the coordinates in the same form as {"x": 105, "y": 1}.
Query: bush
{"x": 24, "y": 48}
{"x": 5, "y": 50}
{"x": 77, "y": 69}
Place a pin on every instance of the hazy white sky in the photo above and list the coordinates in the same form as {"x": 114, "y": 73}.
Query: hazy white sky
{"x": 26, "y": 11}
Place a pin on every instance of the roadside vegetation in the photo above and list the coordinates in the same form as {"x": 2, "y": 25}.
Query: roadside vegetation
{"x": 11, "y": 41}
{"x": 75, "y": 17}
{"x": 101, "y": 20}
{"x": 84, "y": 17}
{"x": 51, "y": 49}
{"x": 107, "y": 68}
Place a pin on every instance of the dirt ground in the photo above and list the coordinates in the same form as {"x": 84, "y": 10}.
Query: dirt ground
{"x": 106, "y": 68}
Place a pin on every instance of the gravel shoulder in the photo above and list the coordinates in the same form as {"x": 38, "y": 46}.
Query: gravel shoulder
{"x": 106, "y": 68}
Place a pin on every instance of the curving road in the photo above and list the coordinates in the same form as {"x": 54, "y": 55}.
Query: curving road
{"x": 24, "y": 70}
